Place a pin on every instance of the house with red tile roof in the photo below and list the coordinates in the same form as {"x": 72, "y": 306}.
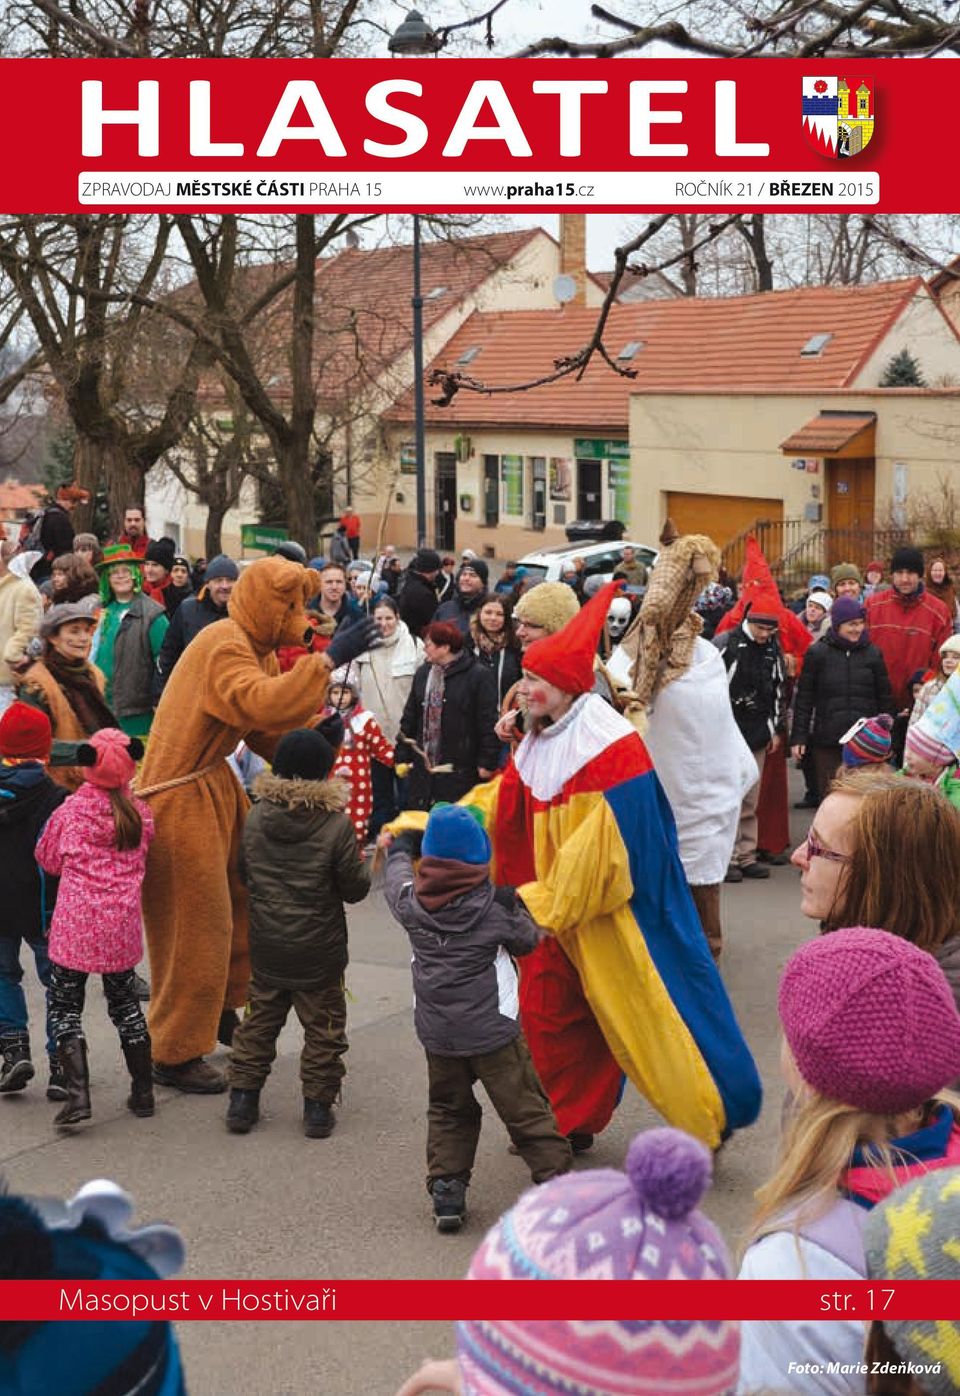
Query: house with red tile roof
{"x": 508, "y": 469}
{"x": 17, "y": 501}
{"x": 363, "y": 357}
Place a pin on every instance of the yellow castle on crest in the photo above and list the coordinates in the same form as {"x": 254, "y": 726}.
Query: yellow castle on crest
{"x": 856, "y": 127}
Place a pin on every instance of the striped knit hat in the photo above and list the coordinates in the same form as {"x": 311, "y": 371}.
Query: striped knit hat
{"x": 922, "y": 751}
{"x": 606, "y": 1225}
{"x": 868, "y": 742}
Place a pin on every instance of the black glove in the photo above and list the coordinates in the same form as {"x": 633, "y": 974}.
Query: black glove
{"x": 408, "y": 842}
{"x": 332, "y": 728}
{"x": 353, "y": 640}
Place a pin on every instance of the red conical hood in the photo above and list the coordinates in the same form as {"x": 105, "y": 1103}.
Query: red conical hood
{"x": 566, "y": 658}
{"x": 758, "y": 589}
{"x": 759, "y": 592}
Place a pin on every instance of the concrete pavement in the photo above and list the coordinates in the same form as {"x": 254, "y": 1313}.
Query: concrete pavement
{"x": 276, "y": 1205}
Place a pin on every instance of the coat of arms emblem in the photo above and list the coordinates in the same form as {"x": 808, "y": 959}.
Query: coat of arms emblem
{"x": 838, "y": 115}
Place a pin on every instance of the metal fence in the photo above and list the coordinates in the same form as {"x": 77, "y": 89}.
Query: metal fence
{"x": 796, "y": 549}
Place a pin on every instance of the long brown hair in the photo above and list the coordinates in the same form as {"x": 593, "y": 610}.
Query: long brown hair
{"x": 881, "y": 1352}
{"x": 904, "y": 873}
{"x": 127, "y": 824}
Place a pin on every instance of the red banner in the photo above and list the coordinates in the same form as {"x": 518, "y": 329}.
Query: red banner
{"x": 435, "y": 134}
{"x": 445, "y": 1300}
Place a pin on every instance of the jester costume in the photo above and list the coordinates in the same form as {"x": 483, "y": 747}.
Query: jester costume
{"x": 624, "y": 982}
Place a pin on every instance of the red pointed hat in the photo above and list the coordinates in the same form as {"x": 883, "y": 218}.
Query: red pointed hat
{"x": 565, "y": 658}
{"x": 758, "y": 590}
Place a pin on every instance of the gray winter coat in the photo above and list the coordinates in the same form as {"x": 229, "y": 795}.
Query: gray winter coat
{"x": 300, "y": 861}
{"x": 464, "y": 985}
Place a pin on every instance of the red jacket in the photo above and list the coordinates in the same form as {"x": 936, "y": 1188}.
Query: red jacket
{"x": 908, "y": 631}
{"x": 138, "y": 545}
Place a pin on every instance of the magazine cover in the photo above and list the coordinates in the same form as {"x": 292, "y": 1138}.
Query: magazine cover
{"x": 478, "y": 712}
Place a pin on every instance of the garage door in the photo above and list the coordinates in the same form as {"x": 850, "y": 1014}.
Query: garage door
{"x": 720, "y": 516}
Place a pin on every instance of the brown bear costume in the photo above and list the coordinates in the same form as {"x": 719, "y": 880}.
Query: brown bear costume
{"x": 225, "y": 688}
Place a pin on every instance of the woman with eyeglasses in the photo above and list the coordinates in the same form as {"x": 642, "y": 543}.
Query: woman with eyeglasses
{"x": 885, "y": 851}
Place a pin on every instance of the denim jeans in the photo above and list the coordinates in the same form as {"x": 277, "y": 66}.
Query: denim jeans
{"x": 13, "y": 1003}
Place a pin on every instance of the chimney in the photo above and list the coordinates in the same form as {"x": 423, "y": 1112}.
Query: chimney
{"x": 573, "y": 252}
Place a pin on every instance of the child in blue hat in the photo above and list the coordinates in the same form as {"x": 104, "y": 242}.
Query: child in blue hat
{"x": 463, "y": 931}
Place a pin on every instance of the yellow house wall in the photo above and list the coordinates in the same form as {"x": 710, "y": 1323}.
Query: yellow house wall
{"x": 510, "y": 538}
{"x": 729, "y": 445}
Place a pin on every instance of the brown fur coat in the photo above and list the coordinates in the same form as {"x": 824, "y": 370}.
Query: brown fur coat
{"x": 226, "y": 687}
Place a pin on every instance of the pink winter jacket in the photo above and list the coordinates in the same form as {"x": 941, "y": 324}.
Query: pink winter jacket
{"x": 97, "y": 925}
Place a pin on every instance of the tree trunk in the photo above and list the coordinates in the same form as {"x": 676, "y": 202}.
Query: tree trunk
{"x": 103, "y": 462}
{"x": 212, "y": 534}
{"x": 296, "y": 481}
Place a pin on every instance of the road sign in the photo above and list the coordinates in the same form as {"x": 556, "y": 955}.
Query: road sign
{"x": 261, "y": 537}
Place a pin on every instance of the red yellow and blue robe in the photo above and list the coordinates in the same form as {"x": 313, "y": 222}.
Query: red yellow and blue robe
{"x": 625, "y": 982}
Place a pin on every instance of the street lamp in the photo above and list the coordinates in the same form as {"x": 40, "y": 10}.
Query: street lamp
{"x": 415, "y": 38}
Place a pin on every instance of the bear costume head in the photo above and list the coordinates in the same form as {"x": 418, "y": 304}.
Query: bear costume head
{"x": 269, "y": 602}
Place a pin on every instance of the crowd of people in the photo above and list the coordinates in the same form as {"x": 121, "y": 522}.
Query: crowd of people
{"x": 556, "y": 779}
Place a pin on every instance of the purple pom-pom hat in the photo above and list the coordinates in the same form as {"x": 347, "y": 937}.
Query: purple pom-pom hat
{"x": 641, "y": 1224}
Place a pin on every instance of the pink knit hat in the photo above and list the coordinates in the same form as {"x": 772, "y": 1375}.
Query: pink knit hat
{"x": 115, "y": 762}
{"x": 921, "y": 749}
{"x": 603, "y": 1224}
{"x": 870, "y": 1020}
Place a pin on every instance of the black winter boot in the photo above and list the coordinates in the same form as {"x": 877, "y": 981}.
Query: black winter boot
{"x": 73, "y": 1059}
{"x": 243, "y": 1112}
{"x": 449, "y": 1203}
{"x": 57, "y": 1084}
{"x": 16, "y": 1068}
{"x": 137, "y": 1056}
{"x": 318, "y": 1119}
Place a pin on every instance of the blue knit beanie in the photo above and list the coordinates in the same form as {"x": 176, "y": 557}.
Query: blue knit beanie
{"x": 454, "y": 833}
{"x": 221, "y": 566}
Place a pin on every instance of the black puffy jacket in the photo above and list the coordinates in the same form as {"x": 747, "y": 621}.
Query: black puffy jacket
{"x": 28, "y": 797}
{"x": 300, "y": 861}
{"x": 191, "y": 616}
{"x": 467, "y": 738}
{"x": 837, "y": 686}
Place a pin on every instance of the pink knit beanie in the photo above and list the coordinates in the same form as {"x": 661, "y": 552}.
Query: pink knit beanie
{"x": 870, "y": 1020}
{"x": 603, "y": 1224}
{"x": 115, "y": 764}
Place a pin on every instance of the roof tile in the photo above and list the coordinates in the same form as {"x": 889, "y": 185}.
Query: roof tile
{"x": 734, "y": 343}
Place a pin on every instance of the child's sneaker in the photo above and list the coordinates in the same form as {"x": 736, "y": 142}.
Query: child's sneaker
{"x": 449, "y": 1204}
{"x": 243, "y": 1112}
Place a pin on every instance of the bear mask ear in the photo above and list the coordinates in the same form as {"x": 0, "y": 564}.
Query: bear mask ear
{"x": 86, "y": 755}
{"x": 135, "y": 747}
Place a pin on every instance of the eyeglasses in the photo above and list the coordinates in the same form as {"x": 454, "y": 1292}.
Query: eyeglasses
{"x": 813, "y": 848}
{"x": 527, "y": 625}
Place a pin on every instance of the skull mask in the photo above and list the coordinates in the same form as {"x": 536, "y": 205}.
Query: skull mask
{"x": 618, "y": 618}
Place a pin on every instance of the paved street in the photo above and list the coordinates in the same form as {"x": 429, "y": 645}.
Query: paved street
{"x": 276, "y": 1205}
